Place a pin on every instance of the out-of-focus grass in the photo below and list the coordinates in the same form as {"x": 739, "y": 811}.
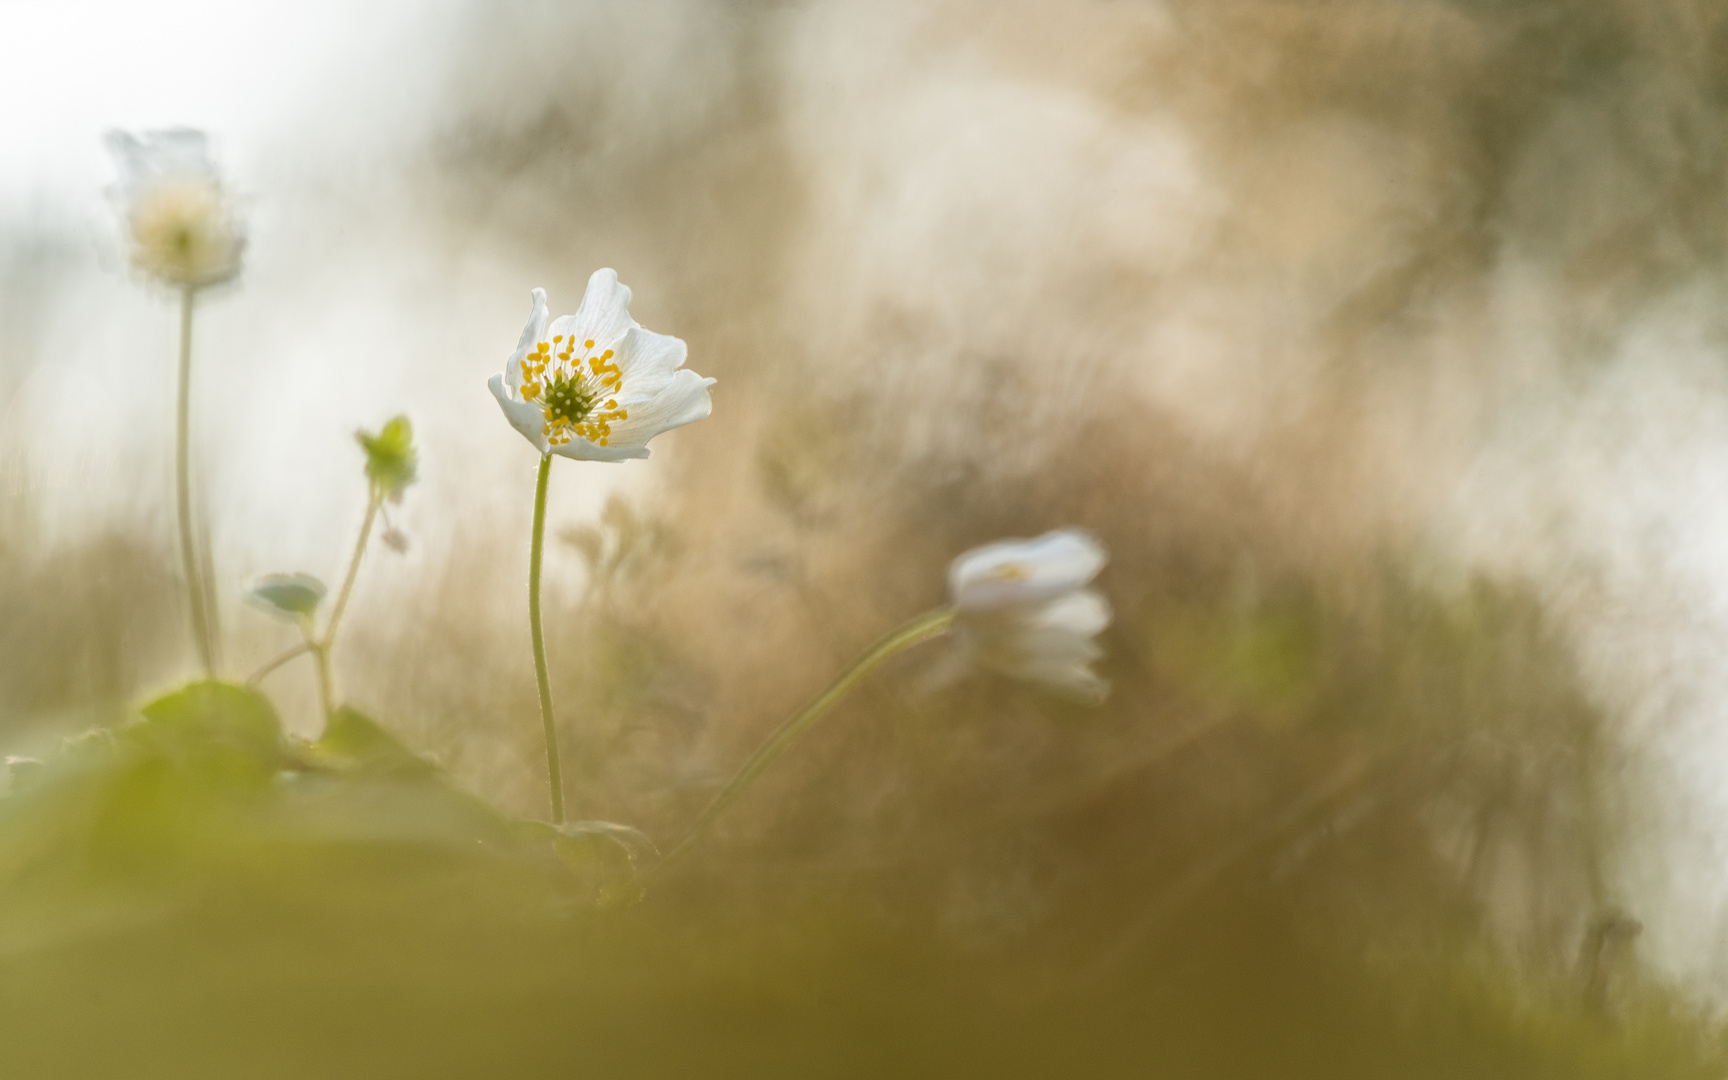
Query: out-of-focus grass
{"x": 1336, "y": 820}
{"x": 1312, "y": 835}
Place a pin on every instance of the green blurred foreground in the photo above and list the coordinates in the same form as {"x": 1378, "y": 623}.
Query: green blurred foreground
{"x": 197, "y": 894}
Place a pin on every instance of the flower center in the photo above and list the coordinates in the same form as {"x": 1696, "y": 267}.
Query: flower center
{"x": 567, "y": 400}
{"x": 575, "y": 393}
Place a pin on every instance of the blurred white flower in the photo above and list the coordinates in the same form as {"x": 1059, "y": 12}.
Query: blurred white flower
{"x": 1022, "y": 608}
{"x": 594, "y": 385}
{"x": 182, "y": 229}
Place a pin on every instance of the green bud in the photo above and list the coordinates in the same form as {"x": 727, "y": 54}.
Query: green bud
{"x": 391, "y": 460}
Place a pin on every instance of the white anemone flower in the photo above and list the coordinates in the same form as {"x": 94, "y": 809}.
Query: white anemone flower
{"x": 596, "y": 386}
{"x": 1023, "y": 608}
{"x": 176, "y": 212}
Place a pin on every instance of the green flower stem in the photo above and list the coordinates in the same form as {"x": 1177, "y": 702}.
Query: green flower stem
{"x": 183, "y": 483}
{"x": 320, "y": 646}
{"x": 923, "y": 628}
{"x": 373, "y": 503}
{"x": 207, "y": 575}
{"x": 326, "y": 686}
{"x": 554, "y": 775}
{"x": 282, "y": 658}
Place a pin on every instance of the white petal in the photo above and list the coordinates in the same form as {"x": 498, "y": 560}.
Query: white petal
{"x": 1048, "y": 645}
{"x": 581, "y": 449}
{"x": 1078, "y": 682}
{"x": 1023, "y": 571}
{"x": 646, "y": 361}
{"x": 604, "y": 316}
{"x": 129, "y": 158}
{"x": 1084, "y": 612}
{"x": 180, "y": 151}
{"x": 682, "y": 400}
{"x": 532, "y": 334}
{"x": 524, "y": 417}
{"x": 174, "y": 153}
{"x": 1050, "y": 641}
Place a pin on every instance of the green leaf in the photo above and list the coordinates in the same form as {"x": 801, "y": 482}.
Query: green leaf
{"x": 392, "y": 462}
{"x": 287, "y": 596}
{"x": 212, "y": 720}
{"x": 353, "y": 735}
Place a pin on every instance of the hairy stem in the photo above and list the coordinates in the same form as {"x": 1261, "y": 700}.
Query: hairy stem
{"x": 554, "y": 775}
{"x": 923, "y": 628}
{"x": 189, "y": 562}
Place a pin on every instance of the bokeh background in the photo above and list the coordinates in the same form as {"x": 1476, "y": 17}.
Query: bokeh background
{"x": 1380, "y": 340}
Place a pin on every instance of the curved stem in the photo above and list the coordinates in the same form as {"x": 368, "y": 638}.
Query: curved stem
{"x": 554, "y": 775}
{"x": 377, "y": 498}
{"x": 923, "y": 628}
{"x": 189, "y": 563}
{"x": 258, "y": 676}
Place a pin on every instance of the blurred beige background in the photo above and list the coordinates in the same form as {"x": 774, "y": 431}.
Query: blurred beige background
{"x": 1432, "y": 283}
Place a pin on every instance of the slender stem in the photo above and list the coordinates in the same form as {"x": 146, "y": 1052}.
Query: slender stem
{"x": 377, "y": 498}
{"x": 554, "y": 775}
{"x": 924, "y": 627}
{"x": 258, "y": 676}
{"x": 207, "y": 577}
{"x": 189, "y": 562}
{"x": 326, "y": 688}
{"x": 318, "y": 646}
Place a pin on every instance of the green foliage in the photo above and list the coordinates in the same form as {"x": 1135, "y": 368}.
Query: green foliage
{"x": 392, "y": 462}
{"x": 244, "y": 903}
{"x": 211, "y": 722}
{"x": 352, "y": 738}
{"x": 294, "y": 597}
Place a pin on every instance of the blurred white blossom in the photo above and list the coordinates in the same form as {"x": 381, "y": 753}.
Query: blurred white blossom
{"x": 1023, "y": 608}
{"x": 594, "y": 385}
{"x": 177, "y": 215}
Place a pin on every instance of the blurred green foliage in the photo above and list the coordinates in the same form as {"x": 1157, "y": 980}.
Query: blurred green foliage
{"x": 392, "y": 462}
{"x": 288, "y": 596}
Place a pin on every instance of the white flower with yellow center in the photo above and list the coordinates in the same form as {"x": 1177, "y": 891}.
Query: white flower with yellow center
{"x": 170, "y": 196}
{"x": 1023, "y": 608}
{"x": 595, "y": 386}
